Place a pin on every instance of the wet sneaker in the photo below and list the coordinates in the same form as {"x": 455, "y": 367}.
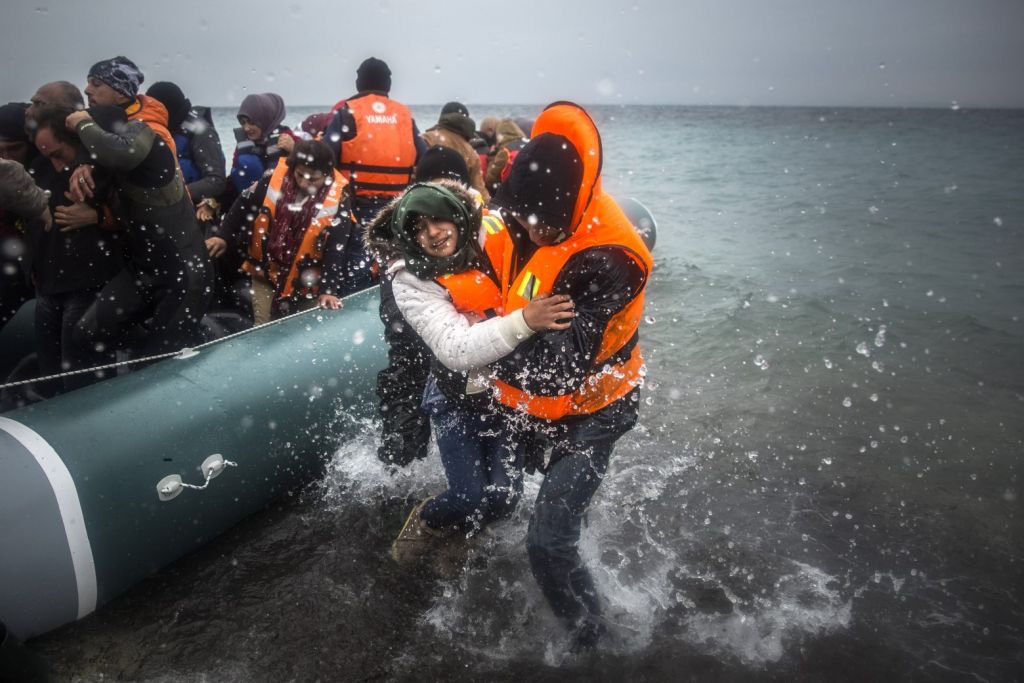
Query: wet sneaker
{"x": 416, "y": 539}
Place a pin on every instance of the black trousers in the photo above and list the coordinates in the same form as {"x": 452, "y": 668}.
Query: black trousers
{"x": 148, "y": 317}
{"x": 405, "y": 429}
{"x": 14, "y": 290}
{"x": 57, "y": 315}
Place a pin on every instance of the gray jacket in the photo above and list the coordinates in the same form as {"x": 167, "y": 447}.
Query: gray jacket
{"x": 18, "y": 192}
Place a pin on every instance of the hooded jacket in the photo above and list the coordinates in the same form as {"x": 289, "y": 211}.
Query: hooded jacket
{"x": 462, "y": 350}
{"x": 601, "y": 263}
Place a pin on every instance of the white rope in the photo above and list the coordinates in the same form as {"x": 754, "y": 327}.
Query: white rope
{"x": 210, "y": 474}
{"x": 159, "y": 356}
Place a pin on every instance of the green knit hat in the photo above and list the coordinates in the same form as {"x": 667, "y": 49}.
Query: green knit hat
{"x": 435, "y": 201}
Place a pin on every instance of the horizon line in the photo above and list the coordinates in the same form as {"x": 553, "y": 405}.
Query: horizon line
{"x": 950, "y": 107}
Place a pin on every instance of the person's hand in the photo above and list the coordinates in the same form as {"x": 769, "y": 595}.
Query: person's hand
{"x": 205, "y": 212}
{"x": 82, "y": 184}
{"x": 549, "y": 312}
{"x": 76, "y": 117}
{"x": 75, "y": 216}
{"x": 286, "y": 143}
{"x": 216, "y": 246}
{"x": 47, "y": 218}
{"x": 329, "y": 301}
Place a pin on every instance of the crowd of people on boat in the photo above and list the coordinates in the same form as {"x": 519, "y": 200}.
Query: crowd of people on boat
{"x": 511, "y": 284}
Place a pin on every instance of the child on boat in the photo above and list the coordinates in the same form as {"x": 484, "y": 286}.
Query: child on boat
{"x": 447, "y": 290}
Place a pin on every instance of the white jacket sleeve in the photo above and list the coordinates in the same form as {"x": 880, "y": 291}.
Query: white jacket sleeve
{"x": 459, "y": 346}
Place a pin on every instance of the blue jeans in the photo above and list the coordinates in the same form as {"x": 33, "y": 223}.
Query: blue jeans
{"x": 482, "y": 460}
{"x": 569, "y": 484}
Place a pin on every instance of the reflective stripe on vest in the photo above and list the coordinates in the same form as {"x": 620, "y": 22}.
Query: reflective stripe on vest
{"x": 303, "y": 276}
{"x": 379, "y": 160}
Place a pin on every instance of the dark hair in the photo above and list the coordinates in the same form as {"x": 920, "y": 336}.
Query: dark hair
{"x": 313, "y": 153}
{"x": 53, "y": 119}
{"x": 70, "y": 95}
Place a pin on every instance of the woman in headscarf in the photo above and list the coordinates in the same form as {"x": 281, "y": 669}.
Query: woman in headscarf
{"x": 262, "y": 139}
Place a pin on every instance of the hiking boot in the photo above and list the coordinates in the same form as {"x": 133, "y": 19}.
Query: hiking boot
{"x": 453, "y": 553}
{"x": 416, "y": 539}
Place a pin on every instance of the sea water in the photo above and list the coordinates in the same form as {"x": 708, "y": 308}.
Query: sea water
{"x": 824, "y": 483}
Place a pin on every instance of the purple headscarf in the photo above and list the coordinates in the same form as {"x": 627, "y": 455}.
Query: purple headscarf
{"x": 265, "y": 109}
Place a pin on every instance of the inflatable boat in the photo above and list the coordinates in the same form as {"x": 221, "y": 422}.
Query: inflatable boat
{"x": 103, "y": 486}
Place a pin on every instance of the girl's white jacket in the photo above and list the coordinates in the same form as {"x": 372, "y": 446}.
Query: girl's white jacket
{"x": 456, "y": 342}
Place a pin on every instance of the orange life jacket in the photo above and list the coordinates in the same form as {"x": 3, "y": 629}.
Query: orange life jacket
{"x": 303, "y": 275}
{"x": 380, "y": 159}
{"x": 474, "y": 291}
{"x": 153, "y": 113}
{"x": 618, "y": 366}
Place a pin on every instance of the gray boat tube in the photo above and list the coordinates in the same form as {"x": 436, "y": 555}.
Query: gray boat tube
{"x": 103, "y": 486}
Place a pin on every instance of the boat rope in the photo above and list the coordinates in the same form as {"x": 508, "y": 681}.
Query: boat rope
{"x": 186, "y": 352}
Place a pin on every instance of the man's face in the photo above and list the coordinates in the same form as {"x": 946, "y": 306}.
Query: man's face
{"x": 309, "y": 181}
{"x": 101, "y": 94}
{"x": 541, "y": 234}
{"x": 14, "y": 150}
{"x": 61, "y": 155}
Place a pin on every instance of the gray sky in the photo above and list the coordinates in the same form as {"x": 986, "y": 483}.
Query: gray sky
{"x": 756, "y": 52}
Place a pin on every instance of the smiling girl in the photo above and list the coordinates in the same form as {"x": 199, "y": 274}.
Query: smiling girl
{"x": 447, "y": 291}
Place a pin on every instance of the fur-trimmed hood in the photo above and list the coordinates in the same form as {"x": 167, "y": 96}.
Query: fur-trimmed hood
{"x": 382, "y": 243}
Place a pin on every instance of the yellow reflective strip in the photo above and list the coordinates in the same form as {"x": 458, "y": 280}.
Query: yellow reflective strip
{"x": 492, "y": 225}
{"x": 529, "y": 286}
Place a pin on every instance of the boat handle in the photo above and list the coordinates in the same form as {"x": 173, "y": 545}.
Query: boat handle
{"x": 171, "y": 486}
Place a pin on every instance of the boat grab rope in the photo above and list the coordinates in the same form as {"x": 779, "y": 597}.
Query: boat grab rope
{"x": 186, "y": 352}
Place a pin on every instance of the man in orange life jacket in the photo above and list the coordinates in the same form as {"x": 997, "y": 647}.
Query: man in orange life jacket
{"x": 376, "y": 145}
{"x": 580, "y": 385}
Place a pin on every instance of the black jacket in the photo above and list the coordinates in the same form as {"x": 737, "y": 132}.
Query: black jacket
{"x": 80, "y": 259}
